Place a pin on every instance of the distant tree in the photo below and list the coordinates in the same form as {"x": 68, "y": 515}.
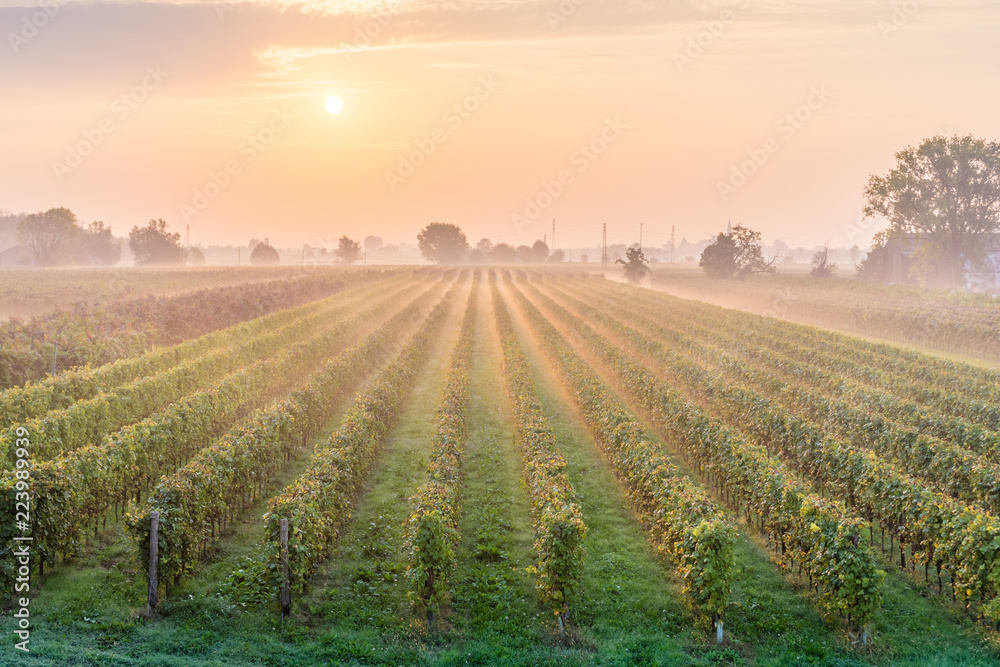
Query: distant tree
{"x": 737, "y": 253}
{"x": 636, "y": 265}
{"x": 442, "y": 243}
{"x": 524, "y": 254}
{"x": 539, "y": 251}
{"x": 946, "y": 191}
{"x": 718, "y": 260}
{"x": 822, "y": 267}
{"x": 584, "y": 259}
{"x": 373, "y": 243}
{"x": 503, "y": 253}
{"x": 98, "y": 246}
{"x": 195, "y": 257}
{"x": 475, "y": 257}
{"x": 855, "y": 253}
{"x": 153, "y": 245}
{"x": 264, "y": 253}
{"x": 52, "y": 235}
{"x": 485, "y": 246}
{"x": 557, "y": 257}
{"x": 348, "y": 250}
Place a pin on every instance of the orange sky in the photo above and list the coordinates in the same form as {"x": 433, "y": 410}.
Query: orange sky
{"x": 495, "y": 115}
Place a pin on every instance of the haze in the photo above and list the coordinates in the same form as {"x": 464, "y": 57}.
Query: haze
{"x": 213, "y": 114}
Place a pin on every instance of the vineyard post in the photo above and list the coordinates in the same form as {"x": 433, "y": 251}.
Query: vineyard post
{"x": 286, "y": 592}
{"x": 154, "y": 552}
{"x": 55, "y": 355}
{"x": 718, "y": 631}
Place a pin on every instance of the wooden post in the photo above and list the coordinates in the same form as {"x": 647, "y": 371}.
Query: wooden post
{"x": 718, "y": 631}
{"x": 286, "y": 590}
{"x": 154, "y": 557}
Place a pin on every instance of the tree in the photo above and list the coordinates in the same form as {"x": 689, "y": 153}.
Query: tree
{"x": 52, "y": 235}
{"x": 503, "y": 253}
{"x": 636, "y": 265}
{"x": 264, "y": 253}
{"x": 718, "y": 260}
{"x": 442, "y": 243}
{"x": 373, "y": 243}
{"x": 348, "y": 250}
{"x": 946, "y": 191}
{"x": 523, "y": 254}
{"x": 98, "y": 246}
{"x": 557, "y": 257}
{"x": 153, "y": 245}
{"x": 485, "y": 246}
{"x": 737, "y": 253}
{"x": 195, "y": 257}
{"x": 822, "y": 267}
{"x": 539, "y": 251}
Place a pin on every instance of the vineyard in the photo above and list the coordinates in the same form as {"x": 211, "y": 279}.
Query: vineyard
{"x": 488, "y": 466}
{"x": 955, "y": 322}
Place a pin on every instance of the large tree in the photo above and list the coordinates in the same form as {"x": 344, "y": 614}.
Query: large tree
{"x": 348, "y": 250}
{"x": 945, "y": 191}
{"x": 98, "y": 246}
{"x": 637, "y": 265}
{"x": 737, "y": 253}
{"x": 52, "y": 235}
{"x": 153, "y": 244}
{"x": 503, "y": 253}
{"x": 442, "y": 243}
{"x": 264, "y": 253}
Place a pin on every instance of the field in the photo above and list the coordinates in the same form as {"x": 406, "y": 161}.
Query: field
{"x": 489, "y": 466}
{"x": 963, "y": 324}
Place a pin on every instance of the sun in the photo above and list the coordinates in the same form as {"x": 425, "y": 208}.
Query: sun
{"x": 334, "y": 104}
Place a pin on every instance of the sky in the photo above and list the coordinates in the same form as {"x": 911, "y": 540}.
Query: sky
{"x": 499, "y": 116}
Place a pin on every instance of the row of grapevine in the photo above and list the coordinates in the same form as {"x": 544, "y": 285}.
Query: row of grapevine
{"x": 78, "y": 488}
{"x": 685, "y": 522}
{"x": 98, "y": 336}
{"x": 23, "y": 403}
{"x": 432, "y": 527}
{"x": 951, "y": 469}
{"x": 89, "y": 420}
{"x": 965, "y": 399}
{"x": 820, "y": 534}
{"x": 559, "y": 526}
{"x": 197, "y": 501}
{"x": 963, "y": 540}
{"x": 931, "y": 411}
{"x": 318, "y": 501}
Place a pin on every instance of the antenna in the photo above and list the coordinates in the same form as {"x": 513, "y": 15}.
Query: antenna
{"x": 604, "y": 252}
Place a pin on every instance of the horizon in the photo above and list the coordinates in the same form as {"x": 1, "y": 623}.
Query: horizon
{"x": 592, "y": 112}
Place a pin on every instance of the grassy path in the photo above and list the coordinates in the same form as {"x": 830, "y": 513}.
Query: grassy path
{"x": 629, "y": 608}
{"x": 360, "y": 596}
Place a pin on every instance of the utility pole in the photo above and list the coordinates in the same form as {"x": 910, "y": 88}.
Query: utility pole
{"x": 239, "y": 253}
{"x": 673, "y": 229}
{"x": 640, "y": 237}
{"x": 553, "y": 233}
{"x": 604, "y": 251}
